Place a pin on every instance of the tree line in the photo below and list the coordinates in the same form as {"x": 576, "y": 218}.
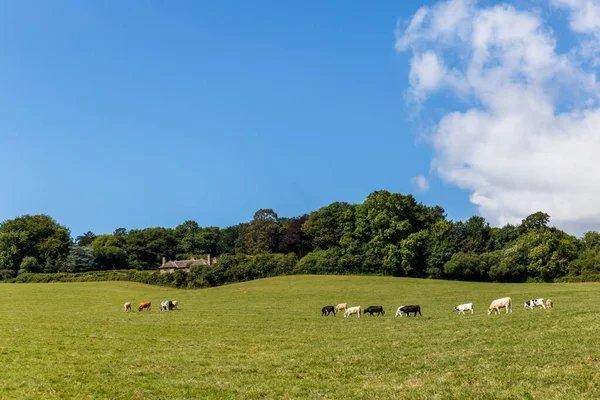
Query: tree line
{"x": 388, "y": 234}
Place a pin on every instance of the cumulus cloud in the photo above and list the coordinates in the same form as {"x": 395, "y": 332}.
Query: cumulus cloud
{"x": 529, "y": 136}
{"x": 420, "y": 183}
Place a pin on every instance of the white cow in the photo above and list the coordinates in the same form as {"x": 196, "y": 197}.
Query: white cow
{"x": 352, "y": 310}
{"x": 497, "y": 304}
{"x": 464, "y": 307}
{"x": 534, "y": 302}
{"x": 399, "y": 311}
{"x": 548, "y": 303}
{"x": 127, "y": 306}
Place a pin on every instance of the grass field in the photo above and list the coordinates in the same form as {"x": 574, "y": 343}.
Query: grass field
{"x": 267, "y": 339}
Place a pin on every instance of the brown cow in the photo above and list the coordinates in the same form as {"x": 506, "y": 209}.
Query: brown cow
{"x": 143, "y": 305}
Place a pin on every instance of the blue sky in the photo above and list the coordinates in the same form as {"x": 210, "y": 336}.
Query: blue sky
{"x": 136, "y": 114}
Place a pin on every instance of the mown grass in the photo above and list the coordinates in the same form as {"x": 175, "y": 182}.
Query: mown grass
{"x": 267, "y": 339}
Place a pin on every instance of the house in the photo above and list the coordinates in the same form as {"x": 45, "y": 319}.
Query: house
{"x": 184, "y": 265}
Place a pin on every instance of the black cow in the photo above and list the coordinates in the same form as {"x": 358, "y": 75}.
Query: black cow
{"x": 411, "y": 309}
{"x": 374, "y": 309}
{"x": 325, "y": 311}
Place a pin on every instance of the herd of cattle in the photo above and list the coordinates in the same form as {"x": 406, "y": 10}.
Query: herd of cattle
{"x": 166, "y": 305}
{"x": 496, "y": 305}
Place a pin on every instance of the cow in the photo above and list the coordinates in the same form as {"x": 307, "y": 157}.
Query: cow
{"x": 534, "y": 302}
{"x": 399, "y": 311}
{"x": 464, "y": 307}
{"x": 341, "y": 307}
{"x": 166, "y": 305}
{"x": 410, "y": 309}
{"x": 175, "y": 304}
{"x": 143, "y": 305}
{"x": 351, "y": 311}
{"x": 548, "y": 303}
{"x": 326, "y": 310}
{"x": 127, "y": 306}
{"x": 505, "y": 302}
{"x": 374, "y": 310}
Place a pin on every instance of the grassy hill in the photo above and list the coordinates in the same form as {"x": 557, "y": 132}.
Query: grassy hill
{"x": 267, "y": 339}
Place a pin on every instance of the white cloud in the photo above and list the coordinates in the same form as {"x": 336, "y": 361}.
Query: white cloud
{"x": 584, "y": 14}
{"x": 584, "y": 18}
{"x": 531, "y": 138}
{"x": 420, "y": 183}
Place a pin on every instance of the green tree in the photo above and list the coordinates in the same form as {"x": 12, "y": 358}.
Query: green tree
{"x": 109, "y": 252}
{"x": 30, "y": 264}
{"x": 536, "y": 220}
{"x": 262, "y": 235}
{"x": 86, "y": 239}
{"x": 231, "y": 239}
{"x": 329, "y": 224}
{"x": 442, "y": 242}
{"x": 37, "y": 236}
{"x": 81, "y": 259}
{"x": 146, "y": 247}
{"x": 477, "y": 235}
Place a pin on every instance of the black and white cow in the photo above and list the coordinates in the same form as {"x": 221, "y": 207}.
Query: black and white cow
{"x": 325, "y": 311}
{"x": 410, "y": 309}
{"x": 374, "y": 310}
{"x": 464, "y": 307}
{"x": 534, "y": 302}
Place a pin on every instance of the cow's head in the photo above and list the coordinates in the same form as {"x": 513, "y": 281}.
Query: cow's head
{"x": 490, "y": 310}
{"x": 455, "y": 309}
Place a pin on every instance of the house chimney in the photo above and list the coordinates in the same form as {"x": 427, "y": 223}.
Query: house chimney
{"x": 164, "y": 261}
{"x": 209, "y": 260}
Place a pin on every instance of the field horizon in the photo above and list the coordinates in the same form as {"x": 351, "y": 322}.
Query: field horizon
{"x": 267, "y": 339}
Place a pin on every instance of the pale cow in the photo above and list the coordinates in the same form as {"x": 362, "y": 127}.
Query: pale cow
{"x": 534, "y": 302}
{"x": 175, "y": 304}
{"x": 464, "y": 307}
{"x": 497, "y": 304}
{"x": 548, "y": 303}
{"x": 341, "y": 307}
{"x": 351, "y": 311}
{"x": 127, "y": 306}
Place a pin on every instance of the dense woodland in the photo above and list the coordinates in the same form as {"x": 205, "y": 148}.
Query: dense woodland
{"x": 388, "y": 234}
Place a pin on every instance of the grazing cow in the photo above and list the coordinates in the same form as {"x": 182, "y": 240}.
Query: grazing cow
{"x": 534, "y": 302}
{"x": 505, "y": 302}
{"x": 548, "y": 303}
{"x": 166, "y": 305}
{"x": 374, "y": 310}
{"x": 410, "y": 309}
{"x": 351, "y": 311}
{"x": 127, "y": 306}
{"x": 175, "y": 304}
{"x": 464, "y": 307}
{"x": 143, "y": 305}
{"x": 399, "y": 311}
{"x": 325, "y": 311}
{"x": 341, "y": 307}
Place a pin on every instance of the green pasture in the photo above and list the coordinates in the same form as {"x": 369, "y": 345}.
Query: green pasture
{"x": 267, "y": 339}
